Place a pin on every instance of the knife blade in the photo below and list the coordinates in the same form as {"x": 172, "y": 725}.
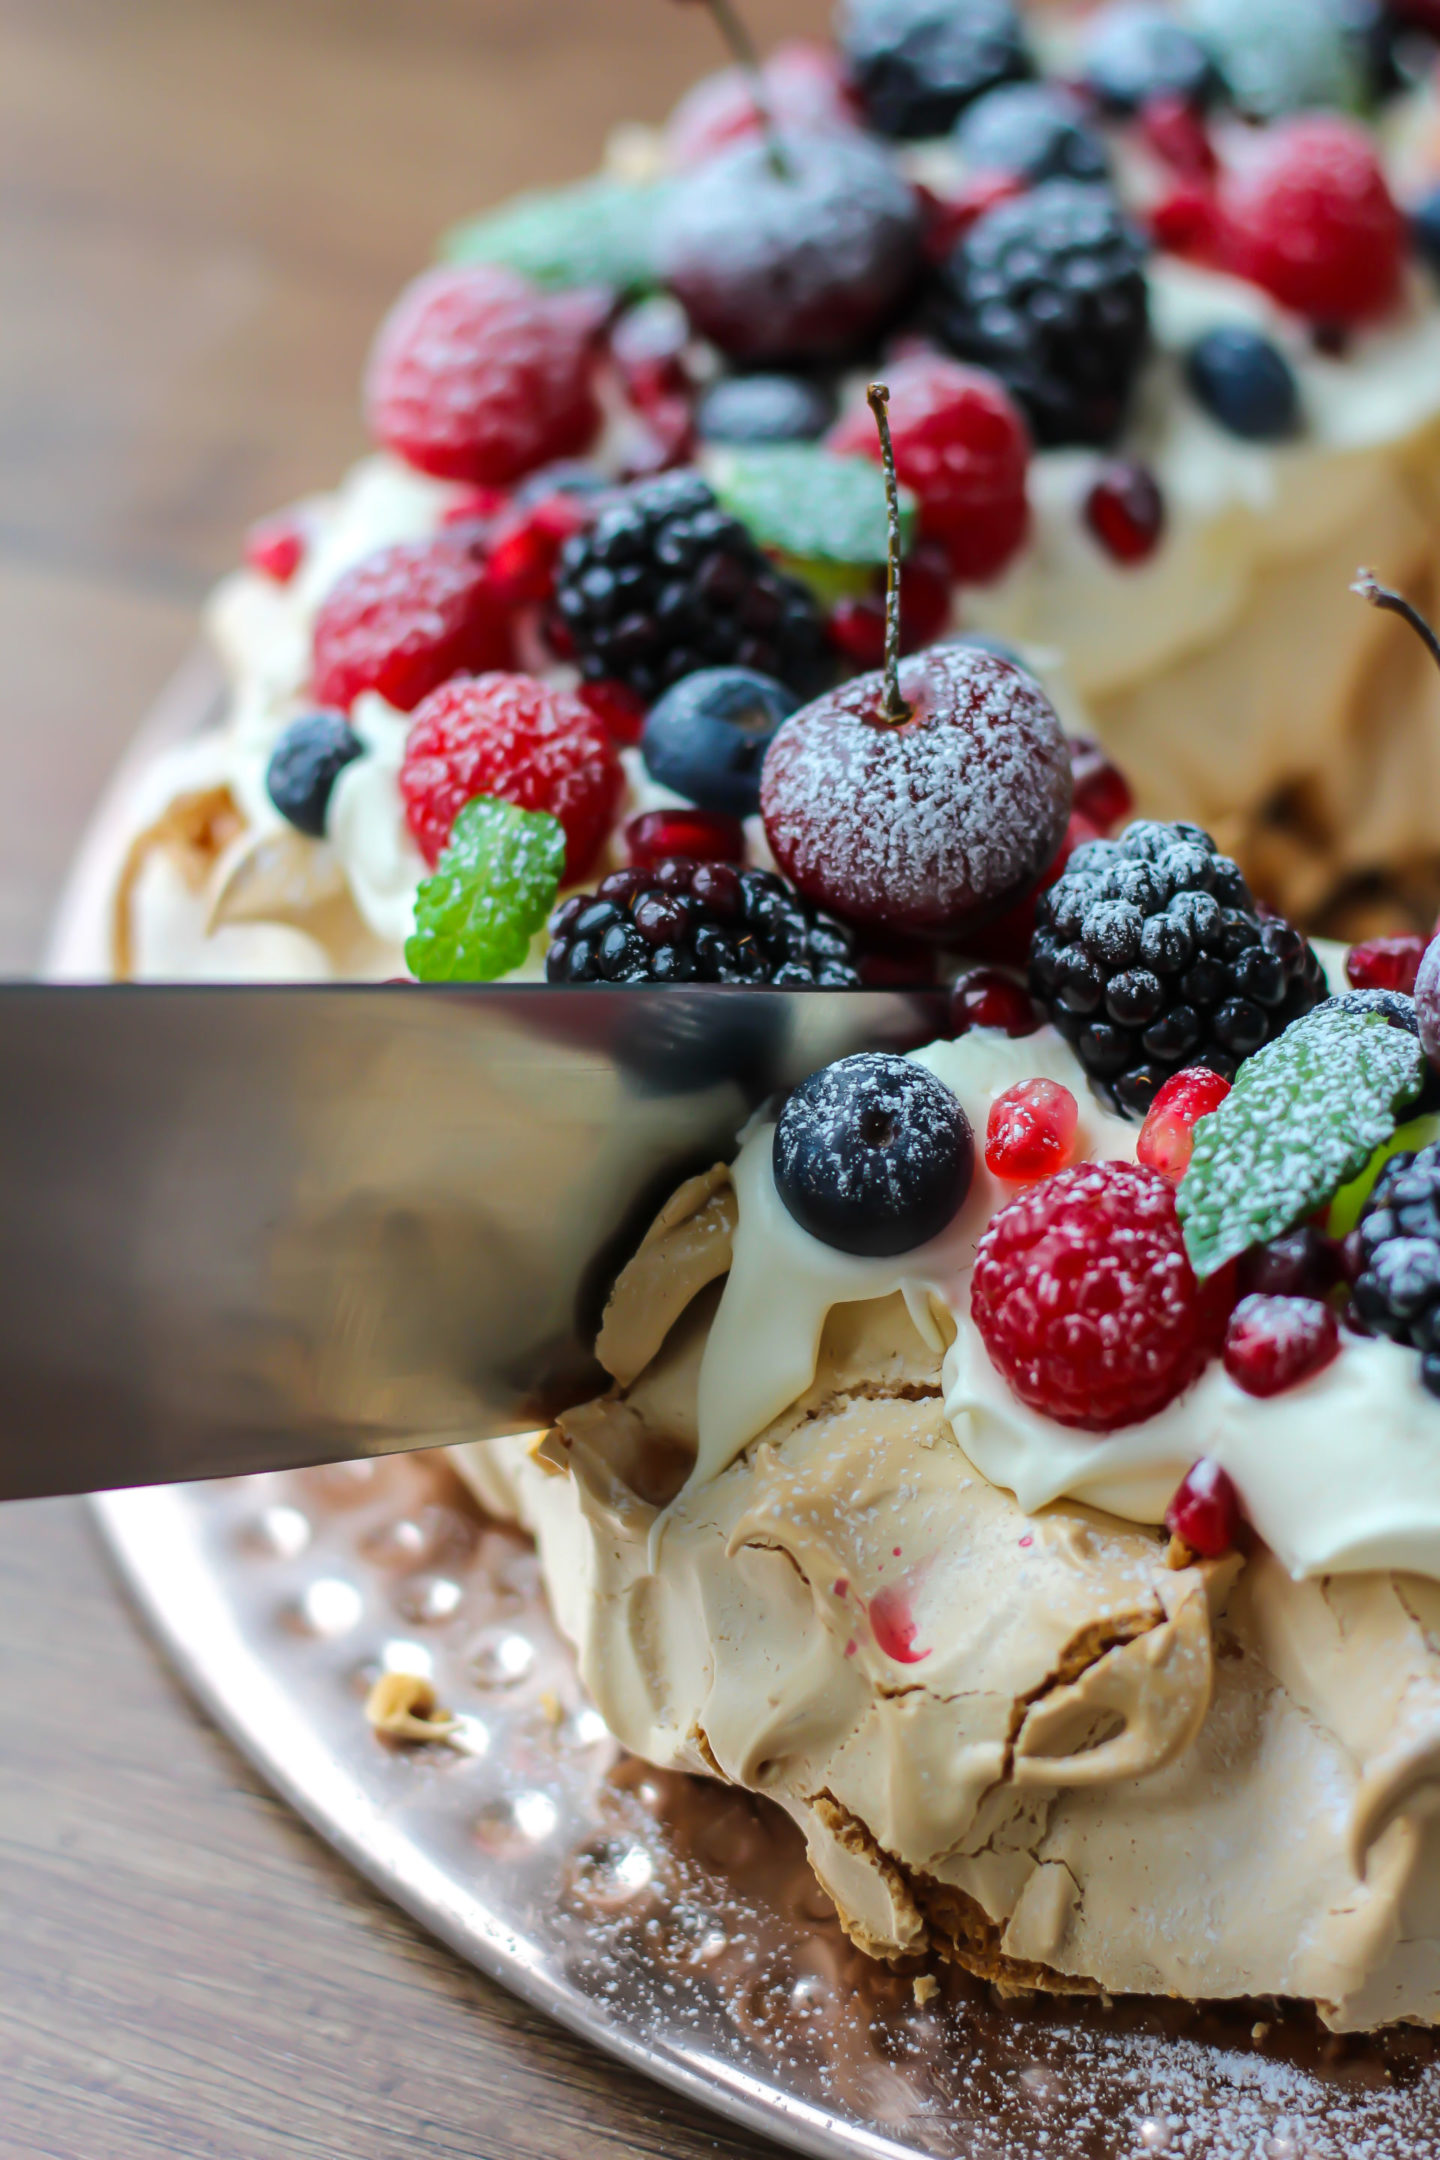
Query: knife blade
{"x": 249, "y": 1228}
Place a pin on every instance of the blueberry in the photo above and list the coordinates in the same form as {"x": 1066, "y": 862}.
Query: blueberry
{"x": 707, "y": 737}
{"x": 1425, "y": 228}
{"x": 304, "y": 766}
{"x": 1034, "y": 131}
{"x": 1138, "y": 51}
{"x": 1245, "y": 383}
{"x": 916, "y": 64}
{"x": 765, "y": 409}
{"x": 873, "y": 1156}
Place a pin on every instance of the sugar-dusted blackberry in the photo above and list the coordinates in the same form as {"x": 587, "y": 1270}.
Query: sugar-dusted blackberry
{"x": 1150, "y": 955}
{"x": 916, "y": 64}
{"x": 1397, "y": 1292}
{"x": 685, "y": 921}
{"x": 665, "y": 582}
{"x": 1049, "y": 292}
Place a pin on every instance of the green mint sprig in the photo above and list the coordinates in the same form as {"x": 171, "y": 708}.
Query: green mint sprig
{"x": 802, "y": 501}
{"x": 599, "y": 232}
{"x": 488, "y": 895}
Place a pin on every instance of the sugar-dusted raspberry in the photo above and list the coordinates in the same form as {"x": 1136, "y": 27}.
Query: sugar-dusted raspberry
{"x": 1308, "y": 215}
{"x": 520, "y": 740}
{"x": 804, "y": 86}
{"x": 1086, "y": 1301}
{"x": 1385, "y": 963}
{"x": 1274, "y": 1343}
{"x": 477, "y": 375}
{"x": 404, "y": 621}
{"x": 276, "y": 546}
{"x": 1167, "y": 1138}
{"x": 962, "y": 447}
{"x": 1031, "y": 1131}
{"x": 1205, "y": 1512}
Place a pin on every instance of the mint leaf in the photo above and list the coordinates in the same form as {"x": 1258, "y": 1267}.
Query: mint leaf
{"x": 1304, "y": 1117}
{"x": 600, "y": 232}
{"x": 489, "y": 893}
{"x": 803, "y": 501}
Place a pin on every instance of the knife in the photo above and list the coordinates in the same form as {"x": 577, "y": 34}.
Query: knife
{"x": 248, "y": 1228}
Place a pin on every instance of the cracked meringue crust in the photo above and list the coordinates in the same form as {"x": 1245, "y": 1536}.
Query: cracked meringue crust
{"x": 1025, "y": 1743}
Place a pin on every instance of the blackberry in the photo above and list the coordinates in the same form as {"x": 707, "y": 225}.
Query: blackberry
{"x": 917, "y": 64}
{"x": 665, "y": 582}
{"x": 689, "y": 921}
{"x": 1397, "y": 1292}
{"x": 1049, "y": 292}
{"x": 1150, "y": 956}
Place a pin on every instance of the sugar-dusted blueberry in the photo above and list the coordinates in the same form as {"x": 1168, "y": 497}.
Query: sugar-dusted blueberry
{"x": 707, "y": 736}
{"x": 304, "y": 766}
{"x": 874, "y": 1155}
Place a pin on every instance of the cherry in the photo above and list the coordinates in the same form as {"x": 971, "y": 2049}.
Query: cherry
{"x": 924, "y": 799}
{"x": 1205, "y": 1512}
{"x": 1387, "y": 963}
{"x": 1273, "y": 1343}
{"x": 1167, "y": 1137}
{"x": 986, "y": 999}
{"x": 1031, "y": 1132}
{"x": 701, "y": 835}
{"x": 1126, "y": 512}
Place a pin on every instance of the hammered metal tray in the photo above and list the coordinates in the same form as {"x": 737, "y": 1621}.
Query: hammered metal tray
{"x": 670, "y": 1921}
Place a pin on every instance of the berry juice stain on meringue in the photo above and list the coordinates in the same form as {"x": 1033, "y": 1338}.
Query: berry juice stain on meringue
{"x": 894, "y": 1627}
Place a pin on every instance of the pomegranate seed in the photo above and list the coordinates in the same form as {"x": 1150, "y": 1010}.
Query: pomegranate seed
{"x": 276, "y": 547}
{"x": 1126, "y": 512}
{"x": 525, "y": 548}
{"x": 985, "y": 999}
{"x": 1177, "y": 134}
{"x": 857, "y": 629}
{"x": 618, "y": 709}
{"x": 1102, "y": 793}
{"x": 1031, "y": 1132}
{"x": 700, "y": 835}
{"x": 477, "y": 506}
{"x": 1385, "y": 963}
{"x": 1187, "y": 222}
{"x": 1274, "y": 1342}
{"x": 1205, "y": 1511}
{"x": 1168, "y": 1134}
{"x": 1303, "y": 1264}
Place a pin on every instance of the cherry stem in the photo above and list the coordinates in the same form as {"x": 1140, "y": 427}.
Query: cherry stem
{"x": 895, "y": 708}
{"x": 736, "y": 33}
{"x": 1368, "y": 586}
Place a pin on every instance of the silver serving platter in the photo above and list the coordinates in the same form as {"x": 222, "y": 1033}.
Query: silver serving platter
{"x": 671, "y": 1921}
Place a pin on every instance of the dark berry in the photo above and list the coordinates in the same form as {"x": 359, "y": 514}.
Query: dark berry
{"x": 1137, "y": 52}
{"x": 764, "y": 409}
{"x": 916, "y": 64}
{"x": 1396, "y": 1291}
{"x": 1034, "y": 131}
{"x": 1425, "y": 228}
{"x": 304, "y": 766}
{"x": 665, "y": 582}
{"x": 708, "y": 736}
{"x": 1049, "y": 292}
{"x": 1302, "y": 1264}
{"x": 1245, "y": 383}
{"x": 803, "y": 260}
{"x": 873, "y": 1156}
{"x": 679, "y": 920}
{"x": 1125, "y": 510}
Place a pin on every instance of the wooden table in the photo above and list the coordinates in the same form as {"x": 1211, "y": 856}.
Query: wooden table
{"x": 204, "y": 207}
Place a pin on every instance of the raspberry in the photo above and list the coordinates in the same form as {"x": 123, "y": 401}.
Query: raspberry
{"x": 478, "y": 376}
{"x": 803, "y": 84}
{"x": 695, "y": 835}
{"x": 1167, "y": 1137}
{"x": 962, "y": 447}
{"x": 517, "y": 739}
{"x": 1274, "y": 1343}
{"x": 1086, "y": 1301}
{"x": 1308, "y": 215}
{"x": 1205, "y": 1512}
{"x": 1387, "y": 963}
{"x": 276, "y": 546}
{"x": 404, "y": 621}
{"x": 1126, "y": 512}
{"x": 1031, "y": 1132}
{"x": 986, "y": 999}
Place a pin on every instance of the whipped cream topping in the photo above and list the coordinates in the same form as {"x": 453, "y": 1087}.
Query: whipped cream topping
{"x": 1338, "y": 1475}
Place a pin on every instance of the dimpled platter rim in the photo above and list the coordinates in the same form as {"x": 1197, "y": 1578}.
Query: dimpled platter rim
{"x": 680, "y": 1930}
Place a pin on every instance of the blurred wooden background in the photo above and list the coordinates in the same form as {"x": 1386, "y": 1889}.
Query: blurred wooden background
{"x": 205, "y": 205}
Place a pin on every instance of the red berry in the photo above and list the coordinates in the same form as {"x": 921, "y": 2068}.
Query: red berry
{"x": 1273, "y": 1343}
{"x": 1187, "y": 221}
{"x": 518, "y": 739}
{"x": 1031, "y": 1133}
{"x": 985, "y": 999}
{"x": 1168, "y": 1134}
{"x": 857, "y": 629}
{"x": 1086, "y": 1300}
{"x": 525, "y": 547}
{"x": 962, "y": 446}
{"x": 404, "y": 621}
{"x": 699, "y": 835}
{"x": 1126, "y": 512}
{"x": 1385, "y": 963}
{"x": 478, "y": 376}
{"x": 1205, "y": 1512}
{"x": 1177, "y": 134}
{"x": 1102, "y": 793}
{"x": 805, "y": 87}
{"x": 1308, "y": 215}
{"x": 1008, "y": 938}
{"x": 276, "y": 546}
{"x": 616, "y": 706}
{"x": 857, "y": 625}
{"x": 477, "y": 506}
